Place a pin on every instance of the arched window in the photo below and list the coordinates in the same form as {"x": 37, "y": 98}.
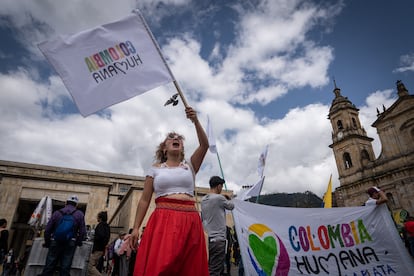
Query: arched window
{"x": 354, "y": 123}
{"x": 339, "y": 124}
{"x": 364, "y": 155}
{"x": 347, "y": 160}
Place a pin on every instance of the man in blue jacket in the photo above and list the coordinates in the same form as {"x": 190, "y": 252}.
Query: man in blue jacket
{"x": 62, "y": 251}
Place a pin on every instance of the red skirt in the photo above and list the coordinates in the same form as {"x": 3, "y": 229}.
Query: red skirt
{"x": 173, "y": 242}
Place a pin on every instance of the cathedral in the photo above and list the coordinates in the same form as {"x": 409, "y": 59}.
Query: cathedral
{"x": 358, "y": 168}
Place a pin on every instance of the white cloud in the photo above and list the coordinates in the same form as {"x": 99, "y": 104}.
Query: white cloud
{"x": 406, "y": 63}
{"x": 269, "y": 48}
{"x": 272, "y": 47}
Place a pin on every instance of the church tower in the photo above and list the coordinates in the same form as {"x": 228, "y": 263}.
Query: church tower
{"x": 351, "y": 146}
{"x": 358, "y": 168}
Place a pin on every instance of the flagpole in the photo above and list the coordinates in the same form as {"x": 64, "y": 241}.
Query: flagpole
{"x": 180, "y": 93}
{"x": 221, "y": 170}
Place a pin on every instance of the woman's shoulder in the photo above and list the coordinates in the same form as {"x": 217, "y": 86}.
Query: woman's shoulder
{"x": 157, "y": 165}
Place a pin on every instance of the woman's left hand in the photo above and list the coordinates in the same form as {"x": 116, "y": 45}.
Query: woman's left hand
{"x": 191, "y": 114}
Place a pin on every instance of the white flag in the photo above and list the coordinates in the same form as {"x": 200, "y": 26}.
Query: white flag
{"x": 262, "y": 161}
{"x": 210, "y": 136}
{"x": 108, "y": 64}
{"x": 47, "y": 211}
{"x": 254, "y": 191}
{"x": 36, "y": 216}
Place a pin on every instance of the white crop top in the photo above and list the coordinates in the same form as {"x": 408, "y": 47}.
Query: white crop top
{"x": 174, "y": 180}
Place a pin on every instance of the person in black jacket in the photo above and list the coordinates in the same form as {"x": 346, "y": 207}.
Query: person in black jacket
{"x": 100, "y": 240}
{"x": 4, "y": 237}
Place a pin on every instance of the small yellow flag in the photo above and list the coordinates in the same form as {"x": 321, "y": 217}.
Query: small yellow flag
{"x": 327, "y": 198}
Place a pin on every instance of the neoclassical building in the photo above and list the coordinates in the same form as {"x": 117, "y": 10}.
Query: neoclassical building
{"x": 358, "y": 168}
{"x": 23, "y": 185}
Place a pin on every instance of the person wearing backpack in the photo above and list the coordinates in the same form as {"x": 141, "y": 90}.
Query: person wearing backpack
{"x": 65, "y": 230}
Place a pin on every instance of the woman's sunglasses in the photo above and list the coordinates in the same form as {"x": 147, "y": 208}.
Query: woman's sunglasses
{"x": 175, "y": 136}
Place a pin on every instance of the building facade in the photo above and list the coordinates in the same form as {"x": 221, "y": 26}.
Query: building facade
{"x": 358, "y": 168}
{"x": 23, "y": 185}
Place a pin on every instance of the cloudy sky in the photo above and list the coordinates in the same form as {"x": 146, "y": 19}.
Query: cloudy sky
{"x": 261, "y": 70}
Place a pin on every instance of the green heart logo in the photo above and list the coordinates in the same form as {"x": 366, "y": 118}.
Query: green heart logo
{"x": 264, "y": 251}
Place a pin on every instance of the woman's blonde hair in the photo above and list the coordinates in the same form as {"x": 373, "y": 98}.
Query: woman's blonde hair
{"x": 161, "y": 153}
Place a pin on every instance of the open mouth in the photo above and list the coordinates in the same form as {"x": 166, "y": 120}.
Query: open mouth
{"x": 176, "y": 144}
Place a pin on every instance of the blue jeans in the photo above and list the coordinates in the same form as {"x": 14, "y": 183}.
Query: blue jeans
{"x": 59, "y": 252}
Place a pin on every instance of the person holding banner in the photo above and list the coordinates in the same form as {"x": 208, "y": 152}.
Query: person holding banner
{"x": 376, "y": 197}
{"x": 213, "y": 212}
{"x": 173, "y": 242}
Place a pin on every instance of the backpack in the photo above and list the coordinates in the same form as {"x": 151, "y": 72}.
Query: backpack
{"x": 65, "y": 228}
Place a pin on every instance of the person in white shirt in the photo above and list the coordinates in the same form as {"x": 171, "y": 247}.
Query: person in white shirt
{"x": 376, "y": 196}
{"x": 116, "y": 257}
{"x": 173, "y": 242}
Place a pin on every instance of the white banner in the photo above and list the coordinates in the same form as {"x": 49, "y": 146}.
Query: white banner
{"x": 108, "y": 64}
{"x": 317, "y": 241}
